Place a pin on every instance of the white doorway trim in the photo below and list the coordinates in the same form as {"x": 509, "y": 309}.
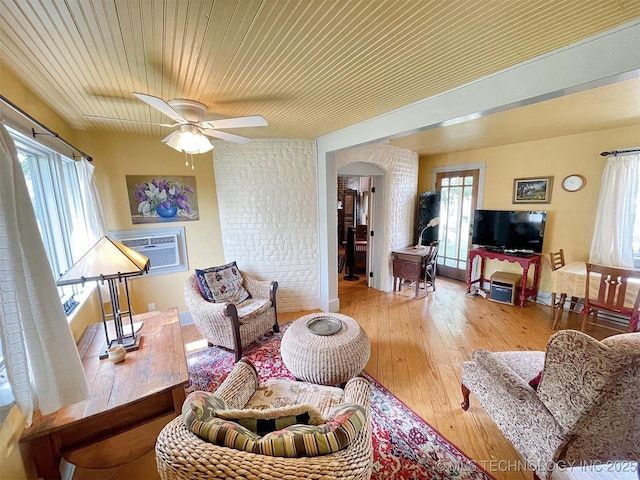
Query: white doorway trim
{"x": 480, "y": 166}
{"x": 377, "y": 175}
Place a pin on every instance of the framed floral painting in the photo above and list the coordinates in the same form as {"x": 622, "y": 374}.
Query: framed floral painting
{"x": 162, "y": 198}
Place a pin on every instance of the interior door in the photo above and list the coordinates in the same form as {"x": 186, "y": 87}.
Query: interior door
{"x": 458, "y": 200}
{"x": 349, "y": 204}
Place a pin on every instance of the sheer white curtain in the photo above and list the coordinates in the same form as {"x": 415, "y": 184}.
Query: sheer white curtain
{"x": 41, "y": 358}
{"x": 612, "y": 242}
{"x": 94, "y": 218}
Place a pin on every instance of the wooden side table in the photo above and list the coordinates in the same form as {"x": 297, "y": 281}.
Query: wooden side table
{"x": 524, "y": 262}
{"x": 407, "y": 264}
{"x": 129, "y": 402}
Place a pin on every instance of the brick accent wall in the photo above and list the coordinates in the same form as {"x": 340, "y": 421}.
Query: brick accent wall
{"x": 267, "y": 199}
{"x": 401, "y": 190}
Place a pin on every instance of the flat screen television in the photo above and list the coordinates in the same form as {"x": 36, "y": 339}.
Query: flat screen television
{"x": 509, "y": 231}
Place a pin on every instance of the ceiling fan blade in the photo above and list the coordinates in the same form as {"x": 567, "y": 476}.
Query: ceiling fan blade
{"x": 161, "y": 106}
{"x": 239, "y": 122}
{"x": 96, "y": 117}
{"x": 225, "y": 136}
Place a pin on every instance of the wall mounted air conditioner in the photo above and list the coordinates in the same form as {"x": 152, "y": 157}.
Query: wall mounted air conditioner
{"x": 161, "y": 251}
{"x": 164, "y": 247}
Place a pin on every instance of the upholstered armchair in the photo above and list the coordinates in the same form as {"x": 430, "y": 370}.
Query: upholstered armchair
{"x": 181, "y": 454}
{"x": 585, "y": 407}
{"x": 234, "y": 326}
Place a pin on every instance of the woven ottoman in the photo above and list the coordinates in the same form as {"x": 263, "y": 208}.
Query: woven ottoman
{"x": 325, "y": 348}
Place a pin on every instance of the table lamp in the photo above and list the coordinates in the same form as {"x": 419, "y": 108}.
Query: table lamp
{"x": 432, "y": 223}
{"x": 111, "y": 262}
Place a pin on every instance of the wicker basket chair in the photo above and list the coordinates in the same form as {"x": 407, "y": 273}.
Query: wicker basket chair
{"x": 180, "y": 454}
{"x": 224, "y": 324}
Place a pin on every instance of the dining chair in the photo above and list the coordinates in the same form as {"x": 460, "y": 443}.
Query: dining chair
{"x": 557, "y": 301}
{"x": 430, "y": 266}
{"x": 616, "y": 294}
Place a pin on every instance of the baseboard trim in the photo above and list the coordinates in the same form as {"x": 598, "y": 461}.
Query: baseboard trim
{"x": 185, "y": 318}
{"x": 66, "y": 470}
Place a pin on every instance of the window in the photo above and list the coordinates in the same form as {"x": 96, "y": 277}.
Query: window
{"x": 616, "y": 238}
{"x": 6, "y": 397}
{"x": 54, "y": 189}
{"x": 636, "y": 234}
{"x": 53, "y": 185}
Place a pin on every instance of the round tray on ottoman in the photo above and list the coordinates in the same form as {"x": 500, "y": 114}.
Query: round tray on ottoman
{"x": 325, "y": 348}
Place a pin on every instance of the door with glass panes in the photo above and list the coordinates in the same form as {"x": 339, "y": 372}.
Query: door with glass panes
{"x": 458, "y": 199}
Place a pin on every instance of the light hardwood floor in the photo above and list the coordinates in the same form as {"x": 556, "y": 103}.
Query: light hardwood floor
{"x": 417, "y": 349}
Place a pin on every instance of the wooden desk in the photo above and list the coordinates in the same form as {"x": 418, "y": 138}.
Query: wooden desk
{"x": 129, "y": 402}
{"x": 525, "y": 263}
{"x": 407, "y": 264}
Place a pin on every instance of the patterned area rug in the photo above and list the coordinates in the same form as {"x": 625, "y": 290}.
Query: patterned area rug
{"x": 405, "y": 446}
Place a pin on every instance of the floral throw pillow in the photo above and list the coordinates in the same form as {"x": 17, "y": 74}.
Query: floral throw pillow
{"x": 202, "y": 283}
{"x": 222, "y": 284}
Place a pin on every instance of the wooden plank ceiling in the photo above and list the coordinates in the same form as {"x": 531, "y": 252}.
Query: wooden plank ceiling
{"x": 309, "y": 67}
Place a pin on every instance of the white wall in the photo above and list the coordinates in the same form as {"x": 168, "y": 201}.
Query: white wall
{"x": 267, "y": 197}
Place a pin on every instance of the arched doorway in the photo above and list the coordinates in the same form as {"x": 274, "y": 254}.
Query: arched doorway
{"x": 368, "y": 212}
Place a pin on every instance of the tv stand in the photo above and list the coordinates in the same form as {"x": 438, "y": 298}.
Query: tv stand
{"x": 524, "y": 261}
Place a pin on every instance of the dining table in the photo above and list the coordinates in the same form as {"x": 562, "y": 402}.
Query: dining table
{"x": 571, "y": 281}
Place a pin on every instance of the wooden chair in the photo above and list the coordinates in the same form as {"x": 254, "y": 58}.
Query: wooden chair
{"x": 430, "y": 266}
{"x": 557, "y": 304}
{"x": 614, "y": 295}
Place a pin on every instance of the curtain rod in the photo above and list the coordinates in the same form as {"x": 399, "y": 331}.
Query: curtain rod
{"x": 618, "y": 152}
{"x": 47, "y": 131}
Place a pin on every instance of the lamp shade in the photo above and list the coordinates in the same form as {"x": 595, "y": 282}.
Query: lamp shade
{"x": 106, "y": 259}
{"x": 189, "y": 140}
{"x": 111, "y": 263}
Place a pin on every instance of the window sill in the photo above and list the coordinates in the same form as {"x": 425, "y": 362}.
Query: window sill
{"x": 6, "y": 397}
{"x": 4, "y": 411}
{"x": 81, "y": 298}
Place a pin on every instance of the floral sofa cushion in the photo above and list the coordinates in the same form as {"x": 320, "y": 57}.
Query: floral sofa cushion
{"x": 277, "y": 393}
{"x": 294, "y": 431}
{"x": 222, "y": 284}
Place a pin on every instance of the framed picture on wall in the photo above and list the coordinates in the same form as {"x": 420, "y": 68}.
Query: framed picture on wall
{"x": 532, "y": 190}
{"x": 162, "y": 198}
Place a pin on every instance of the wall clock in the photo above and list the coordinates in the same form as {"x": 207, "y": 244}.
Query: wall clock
{"x": 574, "y": 182}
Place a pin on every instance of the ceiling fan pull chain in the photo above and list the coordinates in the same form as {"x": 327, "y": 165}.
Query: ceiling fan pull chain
{"x": 186, "y": 160}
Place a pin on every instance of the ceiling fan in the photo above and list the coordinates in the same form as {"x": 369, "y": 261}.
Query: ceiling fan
{"x": 189, "y": 115}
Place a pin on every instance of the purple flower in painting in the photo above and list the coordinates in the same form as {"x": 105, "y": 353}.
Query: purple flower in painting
{"x": 163, "y": 193}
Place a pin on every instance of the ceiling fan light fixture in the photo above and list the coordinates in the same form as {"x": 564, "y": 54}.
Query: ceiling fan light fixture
{"x": 189, "y": 140}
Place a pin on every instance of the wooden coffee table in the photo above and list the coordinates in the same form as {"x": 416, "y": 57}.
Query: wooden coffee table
{"x": 129, "y": 402}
